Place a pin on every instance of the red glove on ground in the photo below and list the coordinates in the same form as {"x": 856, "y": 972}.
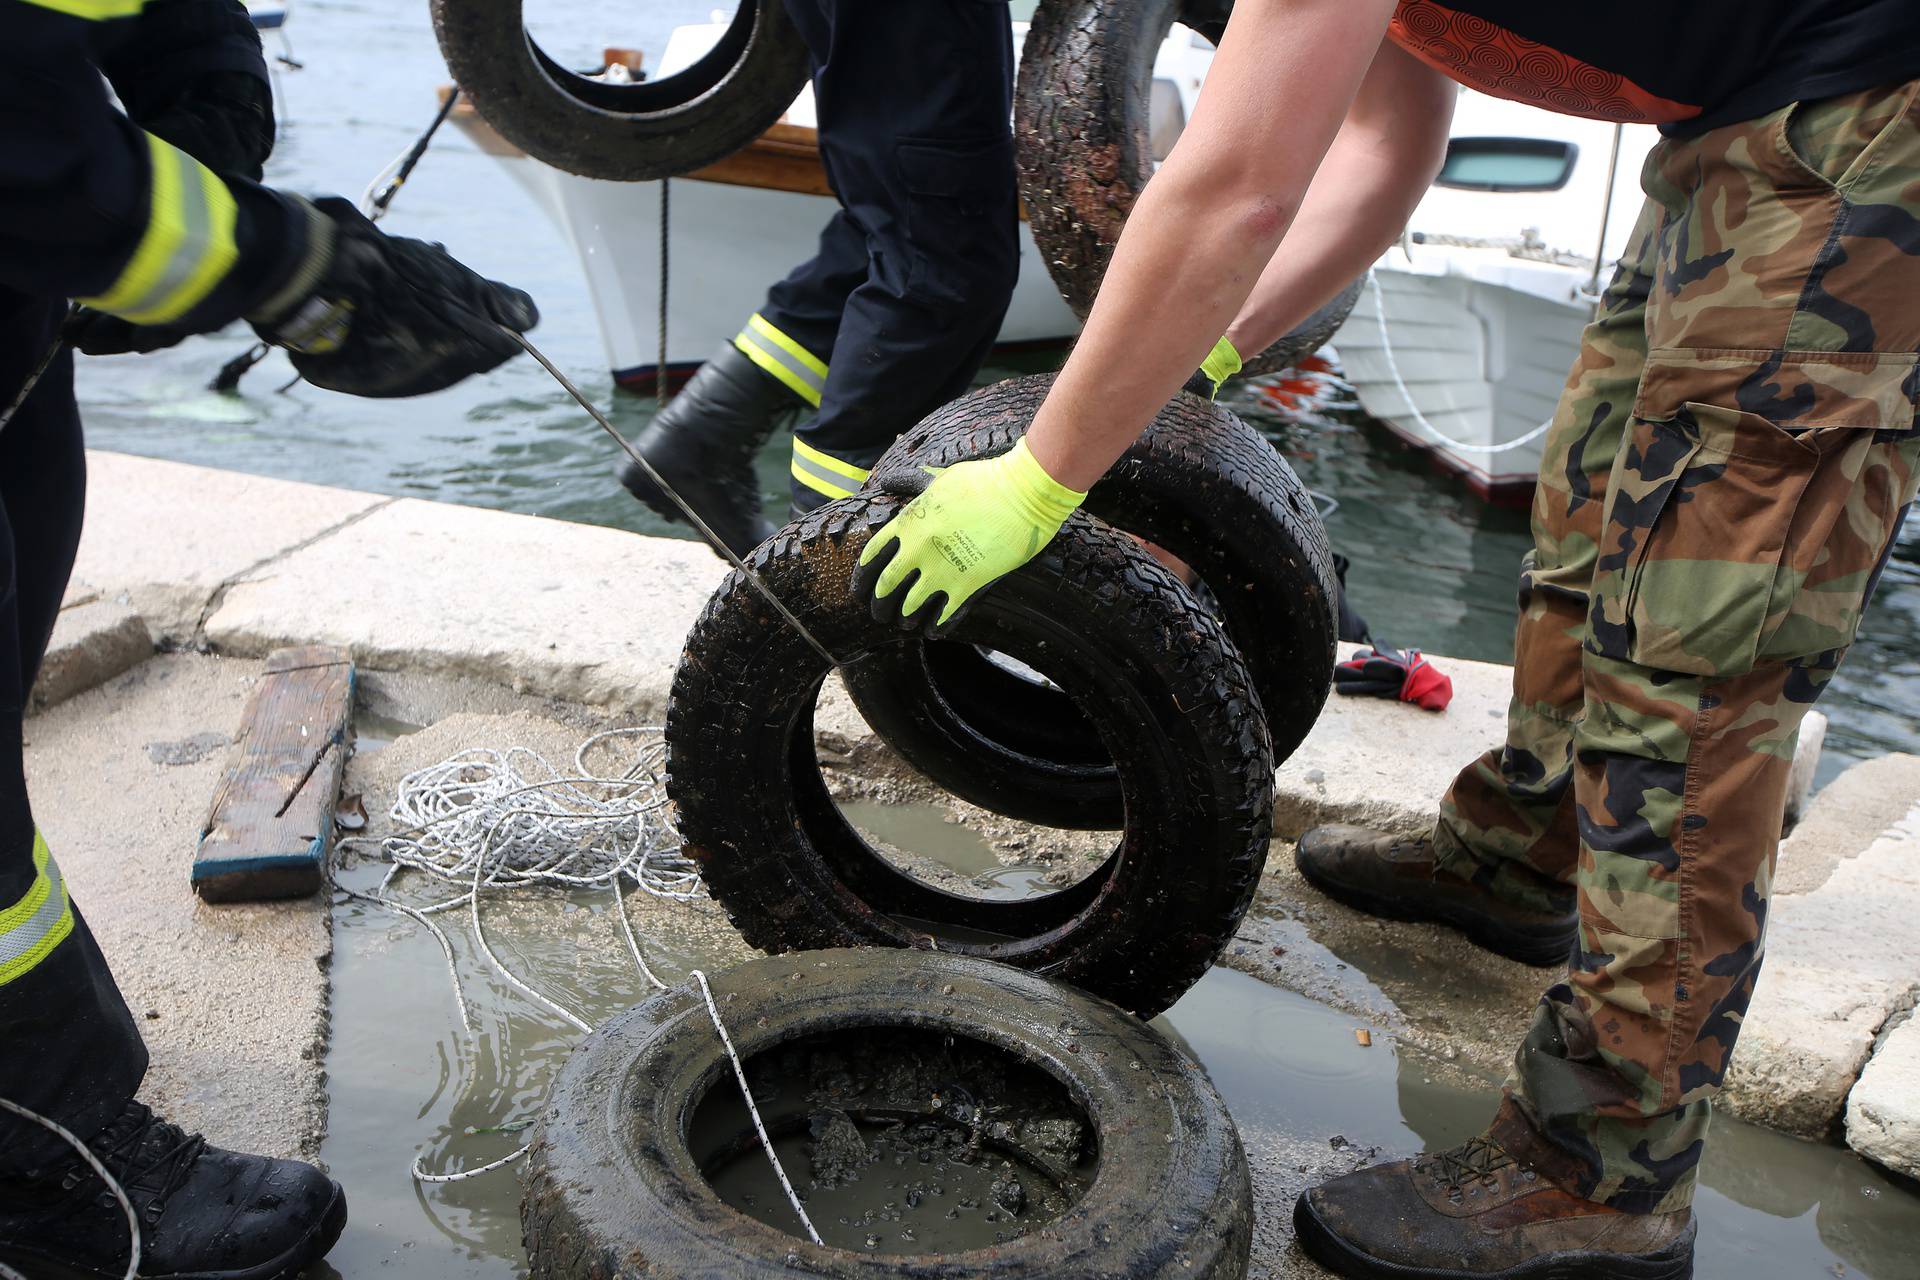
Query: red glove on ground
{"x": 1393, "y": 673}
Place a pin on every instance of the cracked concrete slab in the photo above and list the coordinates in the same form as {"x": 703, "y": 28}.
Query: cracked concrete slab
{"x": 94, "y": 640}
{"x": 563, "y": 610}
{"x": 165, "y": 536}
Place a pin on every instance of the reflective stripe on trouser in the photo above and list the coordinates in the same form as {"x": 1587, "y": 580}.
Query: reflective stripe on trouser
{"x": 187, "y": 248}
{"x": 40, "y": 921}
{"x": 823, "y": 473}
{"x": 802, "y": 371}
{"x": 1726, "y": 474}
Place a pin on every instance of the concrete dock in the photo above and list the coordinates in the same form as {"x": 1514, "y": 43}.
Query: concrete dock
{"x": 528, "y": 627}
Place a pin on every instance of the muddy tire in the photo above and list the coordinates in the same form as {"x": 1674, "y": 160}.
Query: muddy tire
{"x": 623, "y": 132}
{"x": 1080, "y": 113}
{"x": 1164, "y": 691}
{"x": 1200, "y": 483}
{"x": 614, "y": 1192}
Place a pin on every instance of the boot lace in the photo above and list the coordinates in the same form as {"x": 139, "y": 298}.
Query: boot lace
{"x": 148, "y": 1156}
{"x": 1476, "y": 1160}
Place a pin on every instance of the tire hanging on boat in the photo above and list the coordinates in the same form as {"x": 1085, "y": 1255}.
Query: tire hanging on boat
{"x": 1080, "y": 126}
{"x": 1200, "y": 483}
{"x": 624, "y": 132}
{"x": 1161, "y": 687}
{"x": 618, "y": 1178}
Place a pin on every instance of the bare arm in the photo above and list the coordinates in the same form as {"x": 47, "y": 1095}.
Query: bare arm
{"x": 1194, "y": 246}
{"x": 1381, "y": 164}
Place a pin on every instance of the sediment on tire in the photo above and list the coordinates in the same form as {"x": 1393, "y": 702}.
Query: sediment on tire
{"x": 1080, "y": 113}
{"x": 613, "y": 1191}
{"x": 1155, "y": 675}
{"x": 1200, "y": 483}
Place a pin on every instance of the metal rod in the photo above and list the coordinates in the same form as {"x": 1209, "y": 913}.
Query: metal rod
{"x": 693, "y": 517}
{"x": 1606, "y": 212}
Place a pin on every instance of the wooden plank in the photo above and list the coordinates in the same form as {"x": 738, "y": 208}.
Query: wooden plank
{"x": 270, "y": 826}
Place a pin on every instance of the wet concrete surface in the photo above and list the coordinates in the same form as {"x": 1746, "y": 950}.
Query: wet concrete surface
{"x": 1310, "y": 1100}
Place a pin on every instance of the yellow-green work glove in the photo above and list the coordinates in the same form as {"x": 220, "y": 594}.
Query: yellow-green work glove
{"x": 975, "y": 522}
{"x": 1221, "y": 363}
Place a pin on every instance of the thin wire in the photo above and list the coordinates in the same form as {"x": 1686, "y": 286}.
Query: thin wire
{"x": 766, "y": 1143}
{"x": 1393, "y": 366}
{"x": 126, "y": 1205}
{"x": 660, "y": 358}
{"x": 692, "y": 516}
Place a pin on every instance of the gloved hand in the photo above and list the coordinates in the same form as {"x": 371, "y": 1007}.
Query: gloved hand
{"x": 1221, "y": 363}
{"x": 974, "y": 523}
{"x": 1405, "y": 675}
{"x": 369, "y": 314}
{"x": 97, "y": 333}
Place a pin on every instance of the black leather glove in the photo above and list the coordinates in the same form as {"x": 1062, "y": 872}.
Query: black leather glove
{"x": 369, "y": 314}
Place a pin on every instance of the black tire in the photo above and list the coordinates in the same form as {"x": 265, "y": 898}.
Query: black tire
{"x": 1166, "y": 693}
{"x": 623, "y": 132}
{"x": 1200, "y": 483}
{"x": 614, "y": 1192}
{"x": 1080, "y": 113}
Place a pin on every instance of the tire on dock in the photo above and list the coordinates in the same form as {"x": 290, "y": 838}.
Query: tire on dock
{"x": 1200, "y": 483}
{"x": 1081, "y": 110}
{"x": 1162, "y": 688}
{"x": 616, "y": 1182}
{"x": 624, "y": 132}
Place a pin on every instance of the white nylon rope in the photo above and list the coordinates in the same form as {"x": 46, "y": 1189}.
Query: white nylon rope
{"x": 1393, "y": 367}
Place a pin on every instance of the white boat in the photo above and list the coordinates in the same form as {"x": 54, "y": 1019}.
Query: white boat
{"x": 1462, "y": 338}
{"x": 736, "y": 227}
{"x": 1460, "y": 342}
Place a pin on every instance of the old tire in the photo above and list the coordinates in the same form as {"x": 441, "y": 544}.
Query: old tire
{"x": 1163, "y": 689}
{"x": 614, "y": 1192}
{"x": 1200, "y": 483}
{"x": 1080, "y": 112}
{"x": 623, "y": 132}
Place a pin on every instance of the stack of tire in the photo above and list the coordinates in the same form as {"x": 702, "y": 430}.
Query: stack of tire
{"x": 1164, "y": 709}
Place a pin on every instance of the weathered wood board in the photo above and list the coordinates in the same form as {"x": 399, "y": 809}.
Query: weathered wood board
{"x": 270, "y": 826}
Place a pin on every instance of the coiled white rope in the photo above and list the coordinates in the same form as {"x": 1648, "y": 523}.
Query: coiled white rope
{"x": 491, "y": 820}
{"x": 1400, "y": 383}
{"x": 126, "y": 1205}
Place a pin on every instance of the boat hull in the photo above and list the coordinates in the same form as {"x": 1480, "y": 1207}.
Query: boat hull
{"x": 1469, "y": 363}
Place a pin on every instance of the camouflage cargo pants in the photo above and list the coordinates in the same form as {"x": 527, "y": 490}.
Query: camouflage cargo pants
{"x": 1724, "y": 477}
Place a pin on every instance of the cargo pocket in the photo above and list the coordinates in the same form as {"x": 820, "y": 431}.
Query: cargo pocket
{"x": 962, "y": 220}
{"x": 1731, "y": 539}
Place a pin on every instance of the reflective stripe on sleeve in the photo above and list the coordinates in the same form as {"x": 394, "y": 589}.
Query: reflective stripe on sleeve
{"x": 39, "y": 921}
{"x": 188, "y": 246}
{"x": 824, "y": 473}
{"x": 93, "y": 10}
{"x": 804, "y": 373}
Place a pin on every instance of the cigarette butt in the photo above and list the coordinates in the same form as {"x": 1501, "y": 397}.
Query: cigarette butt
{"x": 1363, "y": 1037}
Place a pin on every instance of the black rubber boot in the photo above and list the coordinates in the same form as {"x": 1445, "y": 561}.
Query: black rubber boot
{"x": 703, "y": 444}
{"x": 205, "y": 1214}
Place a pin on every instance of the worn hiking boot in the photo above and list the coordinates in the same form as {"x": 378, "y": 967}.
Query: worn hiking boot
{"x": 1474, "y": 1212}
{"x": 205, "y": 1214}
{"x": 1397, "y": 877}
{"x": 703, "y": 443}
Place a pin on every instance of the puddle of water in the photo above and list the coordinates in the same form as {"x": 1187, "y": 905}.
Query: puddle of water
{"x": 403, "y": 1079}
{"x": 924, "y": 830}
{"x": 1771, "y": 1207}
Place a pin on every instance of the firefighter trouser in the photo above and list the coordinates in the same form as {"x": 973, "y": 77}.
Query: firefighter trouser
{"x": 895, "y": 313}
{"x": 68, "y": 1047}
